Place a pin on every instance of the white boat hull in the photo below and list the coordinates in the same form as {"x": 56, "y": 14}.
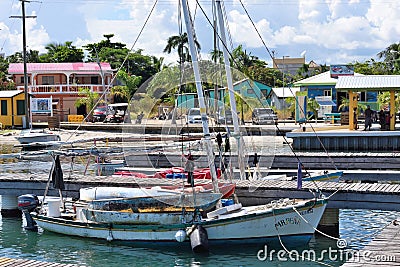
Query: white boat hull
{"x": 314, "y": 176}
{"x": 37, "y": 138}
{"x": 257, "y": 222}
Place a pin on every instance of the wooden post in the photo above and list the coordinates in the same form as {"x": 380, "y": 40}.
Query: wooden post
{"x": 329, "y": 223}
{"x": 9, "y": 206}
{"x": 352, "y": 104}
{"x": 392, "y": 111}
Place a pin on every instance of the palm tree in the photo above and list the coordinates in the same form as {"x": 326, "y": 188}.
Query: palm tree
{"x": 125, "y": 92}
{"x": 391, "y": 56}
{"x": 313, "y": 106}
{"x": 87, "y": 98}
{"x": 180, "y": 42}
{"x": 346, "y": 102}
{"x": 217, "y": 56}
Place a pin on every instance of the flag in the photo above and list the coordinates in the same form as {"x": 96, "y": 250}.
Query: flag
{"x": 299, "y": 176}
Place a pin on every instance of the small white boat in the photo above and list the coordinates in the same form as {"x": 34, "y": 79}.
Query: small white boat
{"x": 318, "y": 176}
{"x": 324, "y": 176}
{"x": 37, "y": 137}
{"x": 291, "y": 220}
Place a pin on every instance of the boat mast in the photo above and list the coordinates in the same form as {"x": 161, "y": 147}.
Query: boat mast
{"x": 202, "y": 105}
{"x": 236, "y": 134}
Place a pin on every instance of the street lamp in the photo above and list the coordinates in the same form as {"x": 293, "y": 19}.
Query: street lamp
{"x": 283, "y": 89}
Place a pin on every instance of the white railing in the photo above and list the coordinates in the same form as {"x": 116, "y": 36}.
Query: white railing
{"x": 61, "y": 88}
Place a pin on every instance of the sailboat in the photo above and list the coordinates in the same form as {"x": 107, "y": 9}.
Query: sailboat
{"x": 286, "y": 219}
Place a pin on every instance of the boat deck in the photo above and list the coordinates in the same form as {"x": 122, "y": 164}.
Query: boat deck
{"x": 384, "y": 196}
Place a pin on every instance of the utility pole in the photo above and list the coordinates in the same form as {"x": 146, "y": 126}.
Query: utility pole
{"x": 283, "y": 88}
{"x": 27, "y": 104}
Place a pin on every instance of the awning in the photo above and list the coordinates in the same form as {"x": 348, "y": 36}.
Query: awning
{"x": 326, "y": 103}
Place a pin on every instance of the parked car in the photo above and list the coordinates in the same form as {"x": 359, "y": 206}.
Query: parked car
{"x": 99, "y": 113}
{"x": 193, "y": 116}
{"x": 225, "y": 117}
{"x": 264, "y": 116}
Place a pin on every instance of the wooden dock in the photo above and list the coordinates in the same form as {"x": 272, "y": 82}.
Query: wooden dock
{"x": 311, "y": 160}
{"x": 383, "y": 250}
{"x": 382, "y": 196}
{"x": 8, "y": 262}
{"x": 346, "y": 141}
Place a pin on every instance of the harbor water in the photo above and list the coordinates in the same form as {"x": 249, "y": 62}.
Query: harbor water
{"x": 357, "y": 227}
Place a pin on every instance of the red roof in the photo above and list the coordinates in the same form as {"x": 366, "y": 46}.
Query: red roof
{"x": 17, "y": 68}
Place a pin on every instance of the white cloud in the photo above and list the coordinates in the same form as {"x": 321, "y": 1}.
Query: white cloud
{"x": 330, "y": 30}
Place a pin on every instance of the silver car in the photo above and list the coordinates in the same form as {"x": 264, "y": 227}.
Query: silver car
{"x": 194, "y": 115}
{"x": 264, "y": 116}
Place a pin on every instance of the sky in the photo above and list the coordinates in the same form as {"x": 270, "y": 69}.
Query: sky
{"x": 325, "y": 31}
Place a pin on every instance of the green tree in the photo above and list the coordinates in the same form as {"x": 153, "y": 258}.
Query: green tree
{"x": 268, "y": 76}
{"x": 87, "y": 98}
{"x": 384, "y": 100}
{"x": 391, "y": 56}
{"x": 124, "y": 93}
{"x": 107, "y": 51}
{"x": 313, "y": 106}
{"x": 371, "y": 67}
{"x": 346, "y": 102}
{"x": 131, "y": 62}
{"x": 15, "y": 58}
{"x": 62, "y": 53}
{"x": 217, "y": 56}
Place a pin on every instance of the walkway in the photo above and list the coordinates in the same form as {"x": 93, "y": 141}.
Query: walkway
{"x": 382, "y": 251}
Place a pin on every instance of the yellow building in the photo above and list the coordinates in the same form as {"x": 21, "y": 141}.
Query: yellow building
{"x": 12, "y": 108}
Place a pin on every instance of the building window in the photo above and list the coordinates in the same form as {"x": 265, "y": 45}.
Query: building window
{"x": 22, "y": 79}
{"x": 250, "y": 91}
{"x": 47, "y": 80}
{"x": 327, "y": 92}
{"x": 362, "y": 96}
{"x": 3, "y": 107}
{"x": 20, "y": 107}
{"x": 94, "y": 80}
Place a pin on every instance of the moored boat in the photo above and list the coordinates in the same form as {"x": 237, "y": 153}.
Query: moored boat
{"x": 288, "y": 219}
{"x": 283, "y": 219}
{"x": 29, "y": 137}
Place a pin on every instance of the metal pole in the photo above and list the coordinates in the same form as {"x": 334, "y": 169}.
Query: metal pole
{"x": 202, "y": 105}
{"x": 231, "y": 92}
{"x": 27, "y": 104}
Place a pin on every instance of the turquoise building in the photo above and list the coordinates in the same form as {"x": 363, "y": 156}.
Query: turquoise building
{"x": 246, "y": 88}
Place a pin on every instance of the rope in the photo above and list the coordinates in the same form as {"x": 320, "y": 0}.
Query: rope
{"x": 287, "y": 251}
{"x": 341, "y": 239}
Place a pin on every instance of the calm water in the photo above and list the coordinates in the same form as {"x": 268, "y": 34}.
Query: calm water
{"x": 356, "y": 226}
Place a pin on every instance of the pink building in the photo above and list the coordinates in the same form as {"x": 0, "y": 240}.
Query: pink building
{"x": 61, "y": 81}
